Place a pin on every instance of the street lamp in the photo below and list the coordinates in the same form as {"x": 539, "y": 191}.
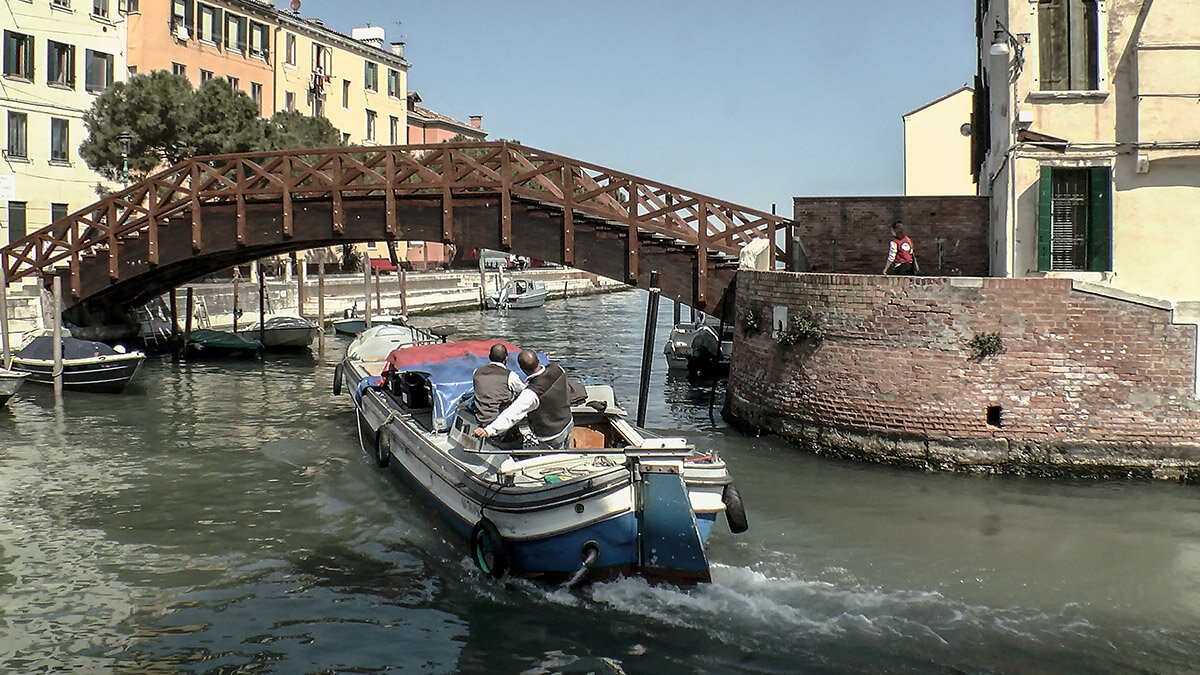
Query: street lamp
{"x": 124, "y": 139}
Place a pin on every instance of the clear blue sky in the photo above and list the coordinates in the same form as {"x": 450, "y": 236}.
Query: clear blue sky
{"x": 751, "y": 101}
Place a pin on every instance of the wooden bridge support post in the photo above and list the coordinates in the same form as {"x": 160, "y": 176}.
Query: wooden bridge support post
{"x": 174, "y": 327}
{"x": 4, "y": 324}
{"x": 321, "y": 306}
{"x": 262, "y": 305}
{"x": 187, "y": 320}
{"x": 400, "y": 271}
{"x": 57, "y": 372}
{"x": 568, "y": 189}
{"x": 301, "y": 280}
{"x": 648, "y": 348}
{"x": 378, "y": 293}
{"x": 366, "y": 259}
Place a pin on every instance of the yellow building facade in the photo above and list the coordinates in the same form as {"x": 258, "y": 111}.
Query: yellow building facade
{"x": 354, "y": 82}
{"x": 937, "y": 147}
{"x": 58, "y": 56}
{"x": 1088, "y": 141}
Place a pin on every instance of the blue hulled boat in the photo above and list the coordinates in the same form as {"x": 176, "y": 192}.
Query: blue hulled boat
{"x": 620, "y": 501}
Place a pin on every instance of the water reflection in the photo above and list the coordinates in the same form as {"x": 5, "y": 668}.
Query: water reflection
{"x": 220, "y": 517}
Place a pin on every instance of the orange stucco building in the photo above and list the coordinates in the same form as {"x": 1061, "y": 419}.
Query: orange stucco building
{"x": 230, "y": 39}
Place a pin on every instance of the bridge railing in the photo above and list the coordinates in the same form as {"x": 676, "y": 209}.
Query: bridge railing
{"x": 511, "y": 170}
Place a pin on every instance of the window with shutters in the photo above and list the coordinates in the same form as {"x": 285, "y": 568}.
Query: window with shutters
{"x": 18, "y": 55}
{"x": 235, "y": 32}
{"x": 182, "y": 18}
{"x": 60, "y": 64}
{"x": 208, "y": 27}
{"x": 16, "y": 220}
{"x": 393, "y": 83}
{"x": 98, "y": 74}
{"x": 259, "y": 40}
{"x": 18, "y": 135}
{"x": 1075, "y": 219}
{"x": 370, "y": 76}
{"x": 60, "y": 140}
{"x": 57, "y": 212}
{"x": 1068, "y": 45}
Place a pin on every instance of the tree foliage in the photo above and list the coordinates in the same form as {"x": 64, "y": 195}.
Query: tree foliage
{"x": 289, "y": 129}
{"x": 222, "y": 120}
{"x": 168, "y": 122}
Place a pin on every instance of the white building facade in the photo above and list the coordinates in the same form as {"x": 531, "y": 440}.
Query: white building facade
{"x": 58, "y": 56}
{"x": 1087, "y": 141}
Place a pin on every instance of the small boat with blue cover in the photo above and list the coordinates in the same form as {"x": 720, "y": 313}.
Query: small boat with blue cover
{"x": 87, "y": 365}
{"x": 620, "y": 501}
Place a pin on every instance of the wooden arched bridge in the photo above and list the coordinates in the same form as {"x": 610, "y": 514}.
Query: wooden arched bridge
{"x": 210, "y": 213}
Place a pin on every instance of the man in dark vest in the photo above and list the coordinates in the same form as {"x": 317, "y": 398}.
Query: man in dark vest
{"x": 495, "y": 387}
{"x": 544, "y": 404}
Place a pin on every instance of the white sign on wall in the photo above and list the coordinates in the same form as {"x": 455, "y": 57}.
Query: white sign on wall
{"x": 8, "y": 187}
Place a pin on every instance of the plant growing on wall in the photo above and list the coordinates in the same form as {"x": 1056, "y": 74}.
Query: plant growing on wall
{"x": 801, "y": 330}
{"x": 983, "y": 345}
{"x": 752, "y": 322}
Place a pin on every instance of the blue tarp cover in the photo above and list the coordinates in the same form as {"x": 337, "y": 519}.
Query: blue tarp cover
{"x": 449, "y": 368}
{"x": 42, "y": 347}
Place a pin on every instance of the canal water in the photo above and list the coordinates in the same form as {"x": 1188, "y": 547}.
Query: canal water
{"x": 221, "y": 518}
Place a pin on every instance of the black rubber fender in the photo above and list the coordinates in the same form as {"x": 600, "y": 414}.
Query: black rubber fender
{"x": 382, "y": 454}
{"x": 735, "y": 512}
{"x": 488, "y": 549}
{"x": 337, "y": 380}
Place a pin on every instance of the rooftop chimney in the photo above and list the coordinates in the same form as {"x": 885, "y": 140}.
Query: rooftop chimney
{"x": 477, "y": 121}
{"x": 398, "y": 49}
{"x": 372, "y": 35}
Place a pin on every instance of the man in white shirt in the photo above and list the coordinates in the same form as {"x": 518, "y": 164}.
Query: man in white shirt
{"x": 544, "y": 403}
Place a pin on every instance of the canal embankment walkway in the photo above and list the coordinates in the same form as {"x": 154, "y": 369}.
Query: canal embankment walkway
{"x": 29, "y": 306}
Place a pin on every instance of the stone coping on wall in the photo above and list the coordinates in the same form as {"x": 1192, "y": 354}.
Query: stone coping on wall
{"x": 1091, "y": 381}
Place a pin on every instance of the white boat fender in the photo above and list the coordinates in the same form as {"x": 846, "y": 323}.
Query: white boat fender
{"x": 488, "y": 549}
{"x": 735, "y": 512}
{"x": 337, "y": 379}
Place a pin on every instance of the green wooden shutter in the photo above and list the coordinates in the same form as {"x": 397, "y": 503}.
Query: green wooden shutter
{"x": 1045, "y": 195}
{"x": 1100, "y": 219}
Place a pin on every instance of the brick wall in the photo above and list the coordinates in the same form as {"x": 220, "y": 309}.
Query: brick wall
{"x": 1086, "y": 384}
{"x": 850, "y": 235}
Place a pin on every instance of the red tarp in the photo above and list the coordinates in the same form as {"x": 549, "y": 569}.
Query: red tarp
{"x": 409, "y": 357}
{"x": 382, "y": 264}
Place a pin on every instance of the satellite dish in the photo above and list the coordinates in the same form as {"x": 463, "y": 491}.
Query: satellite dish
{"x": 295, "y": 5}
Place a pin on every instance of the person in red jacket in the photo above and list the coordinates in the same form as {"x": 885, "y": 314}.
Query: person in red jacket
{"x": 901, "y": 258}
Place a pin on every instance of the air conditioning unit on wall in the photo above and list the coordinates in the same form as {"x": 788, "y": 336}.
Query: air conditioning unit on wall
{"x": 181, "y": 33}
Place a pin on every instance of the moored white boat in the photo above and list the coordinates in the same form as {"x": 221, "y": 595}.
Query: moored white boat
{"x": 87, "y": 365}
{"x": 282, "y": 333}
{"x": 518, "y": 294}
{"x": 621, "y": 501}
{"x": 10, "y": 382}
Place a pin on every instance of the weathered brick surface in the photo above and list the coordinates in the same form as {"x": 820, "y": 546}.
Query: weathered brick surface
{"x": 1086, "y": 384}
{"x": 850, "y": 235}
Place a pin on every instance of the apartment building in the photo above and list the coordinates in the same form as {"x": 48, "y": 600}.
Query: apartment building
{"x": 281, "y": 60}
{"x": 1087, "y": 141}
{"x": 229, "y": 39}
{"x": 359, "y": 86}
{"x": 58, "y": 56}
{"x": 428, "y": 126}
